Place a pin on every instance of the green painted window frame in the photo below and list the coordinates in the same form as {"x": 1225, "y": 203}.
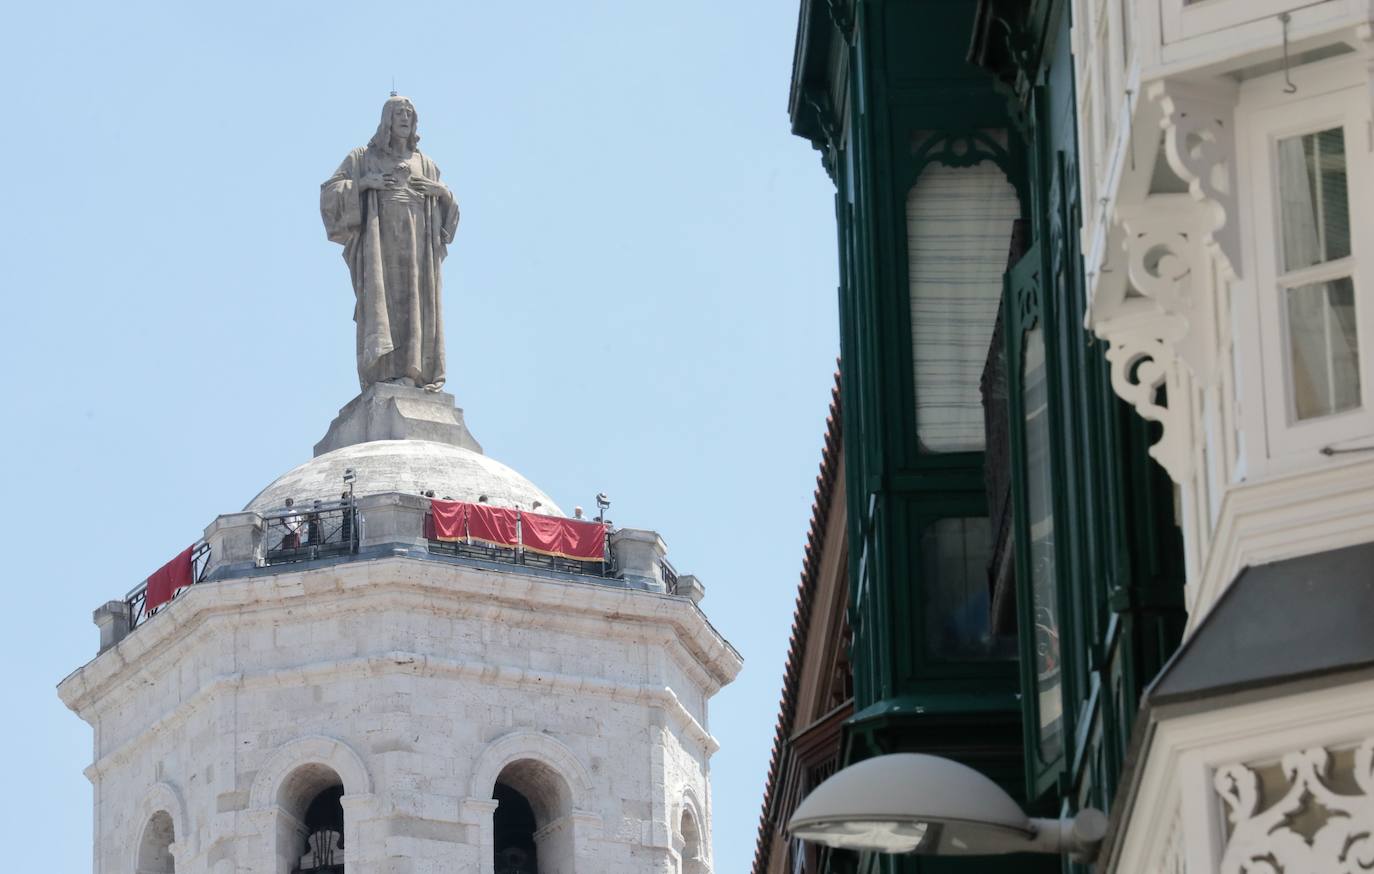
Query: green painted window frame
{"x": 1024, "y": 308}
{"x": 930, "y": 486}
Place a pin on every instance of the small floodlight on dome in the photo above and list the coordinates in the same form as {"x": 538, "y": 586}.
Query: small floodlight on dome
{"x": 917, "y": 803}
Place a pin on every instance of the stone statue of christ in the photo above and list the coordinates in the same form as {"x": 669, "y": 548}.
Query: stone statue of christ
{"x": 395, "y": 219}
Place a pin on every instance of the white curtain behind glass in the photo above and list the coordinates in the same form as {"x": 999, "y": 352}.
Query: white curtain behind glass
{"x": 1314, "y": 222}
{"x": 1296, "y": 208}
{"x": 959, "y": 222}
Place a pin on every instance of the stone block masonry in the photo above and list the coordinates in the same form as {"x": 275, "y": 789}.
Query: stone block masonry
{"x": 414, "y": 684}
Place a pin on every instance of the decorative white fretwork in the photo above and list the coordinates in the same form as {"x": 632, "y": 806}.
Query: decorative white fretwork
{"x": 1160, "y": 325}
{"x": 1199, "y": 143}
{"x": 1311, "y": 827}
{"x": 1160, "y": 319}
{"x": 1145, "y": 372}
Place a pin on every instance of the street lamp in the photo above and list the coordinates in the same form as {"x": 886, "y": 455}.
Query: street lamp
{"x": 916, "y": 803}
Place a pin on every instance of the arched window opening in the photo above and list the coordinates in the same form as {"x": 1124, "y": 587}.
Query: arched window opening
{"x": 693, "y": 859}
{"x": 532, "y": 830}
{"x": 313, "y": 797}
{"x": 513, "y": 829}
{"x": 155, "y": 845}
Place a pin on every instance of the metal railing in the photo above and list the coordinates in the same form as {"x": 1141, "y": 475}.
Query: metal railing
{"x": 517, "y": 555}
{"x": 669, "y": 576}
{"x": 323, "y": 853}
{"x": 332, "y": 528}
{"x": 137, "y": 599}
{"x": 306, "y": 533}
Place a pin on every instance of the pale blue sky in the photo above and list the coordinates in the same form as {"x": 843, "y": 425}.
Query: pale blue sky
{"x": 641, "y": 300}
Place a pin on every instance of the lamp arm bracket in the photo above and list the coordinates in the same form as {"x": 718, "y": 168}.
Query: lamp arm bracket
{"x": 1078, "y": 836}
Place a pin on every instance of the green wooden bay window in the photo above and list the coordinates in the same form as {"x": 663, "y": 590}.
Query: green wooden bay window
{"x": 1015, "y": 569}
{"x": 959, "y": 208}
{"x": 930, "y": 178}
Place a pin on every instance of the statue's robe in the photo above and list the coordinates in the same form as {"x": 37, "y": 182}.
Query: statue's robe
{"x": 394, "y": 243}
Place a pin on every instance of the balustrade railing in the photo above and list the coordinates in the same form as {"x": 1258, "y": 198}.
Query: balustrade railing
{"x": 333, "y": 528}
{"x": 306, "y": 533}
{"x": 137, "y": 599}
{"x": 669, "y": 576}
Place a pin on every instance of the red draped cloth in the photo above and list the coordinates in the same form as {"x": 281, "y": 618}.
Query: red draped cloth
{"x": 565, "y": 538}
{"x": 448, "y": 520}
{"x": 494, "y": 525}
{"x": 550, "y": 535}
{"x": 166, "y": 580}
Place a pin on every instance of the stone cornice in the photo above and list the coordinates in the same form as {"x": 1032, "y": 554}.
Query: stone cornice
{"x": 459, "y": 590}
{"x": 415, "y": 664}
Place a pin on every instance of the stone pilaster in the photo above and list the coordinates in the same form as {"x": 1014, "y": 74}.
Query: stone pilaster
{"x": 235, "y": 541}
{"x": 393, "y": 520}
{"x": 639, "y": 554}
{"x": 112, "y": 618}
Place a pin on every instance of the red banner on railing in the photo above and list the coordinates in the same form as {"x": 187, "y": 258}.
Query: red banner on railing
{"x": 449, "y": 520}
{"x": 550, "y": 535}
{"x": 163, "y": 584}
{"x": 494, "y": 525}
{"x": 565, "y": 538}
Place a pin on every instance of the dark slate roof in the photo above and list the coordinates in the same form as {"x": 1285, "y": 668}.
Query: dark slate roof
{"x": 801, "y": 616}
{"x": 1289, "y": 620}
{"x": 1279, "y": 624}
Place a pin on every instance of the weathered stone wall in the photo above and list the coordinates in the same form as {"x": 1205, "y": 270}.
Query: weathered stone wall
{"x": 415, "y": 683}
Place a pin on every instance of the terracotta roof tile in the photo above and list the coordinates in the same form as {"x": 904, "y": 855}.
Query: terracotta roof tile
{"x": 801, "y": 617}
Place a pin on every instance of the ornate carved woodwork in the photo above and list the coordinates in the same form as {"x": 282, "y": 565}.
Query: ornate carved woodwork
{"x": 1323, "y": 819}
{"x": 1199, "y": 142}
{"x": 1160, "y": 321}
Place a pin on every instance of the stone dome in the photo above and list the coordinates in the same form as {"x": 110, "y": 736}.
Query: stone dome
{"x": 408, "y": 466}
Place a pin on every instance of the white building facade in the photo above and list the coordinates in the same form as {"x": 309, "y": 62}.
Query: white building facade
{"x": 370, "y": 708}
{"x": 1227, "y": 155}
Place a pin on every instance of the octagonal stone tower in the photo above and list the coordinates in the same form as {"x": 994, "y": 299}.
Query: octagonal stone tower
{"x": 365, "y": 698}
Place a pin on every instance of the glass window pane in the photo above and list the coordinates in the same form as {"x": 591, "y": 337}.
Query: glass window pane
{"x": 1040, "y": 517}
{"x": 954, "y": 580}
{"x": 1324, "y": 351}
{"x": 959, "y": 224}
{"x": 1313, "y": 206}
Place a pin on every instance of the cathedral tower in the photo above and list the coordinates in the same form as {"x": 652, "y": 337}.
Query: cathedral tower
{"x": 402, "y": 657}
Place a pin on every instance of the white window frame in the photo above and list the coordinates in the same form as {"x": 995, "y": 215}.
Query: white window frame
{"x": 1290, "y": 441}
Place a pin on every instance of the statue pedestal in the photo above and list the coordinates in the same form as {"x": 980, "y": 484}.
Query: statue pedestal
{"x": 395, "y": 412}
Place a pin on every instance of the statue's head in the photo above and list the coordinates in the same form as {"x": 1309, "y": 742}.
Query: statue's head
{"x": 399, "y": 119}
